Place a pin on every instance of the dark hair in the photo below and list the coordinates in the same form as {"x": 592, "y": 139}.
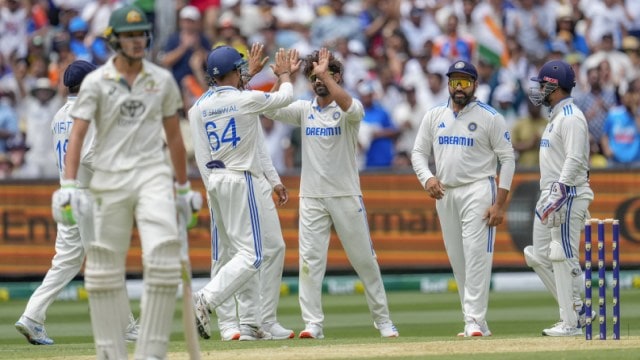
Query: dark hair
{"x": 335, "y": 65}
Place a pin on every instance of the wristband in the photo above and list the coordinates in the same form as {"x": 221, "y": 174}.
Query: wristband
{"x": 67, "y": 183}
{"x": 182, "y": 189}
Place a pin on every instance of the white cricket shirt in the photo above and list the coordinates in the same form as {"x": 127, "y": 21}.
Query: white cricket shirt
{"x": 564, "y": 147}
{"x": 225, "y": 121}
{"x": 61, "y": 129}
{"x": 466, "y": 146}
{"x": 329, "y": 146}
{"x": 128, "y": 121}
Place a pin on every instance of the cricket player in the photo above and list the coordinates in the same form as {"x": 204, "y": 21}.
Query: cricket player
{"x": 71, "y": 240}
{"x": 270, "y": 273}
{"x": 469, "y": 139}
{"x": 330, "y": 193}
{"x": 226, "y": 119}
{"x": 130, "y": 101}
{"x": 564, "y": 199}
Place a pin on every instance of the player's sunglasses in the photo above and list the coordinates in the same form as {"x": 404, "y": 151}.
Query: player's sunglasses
{"x": 464, "y": 83}
{"x": 313, "y": 77}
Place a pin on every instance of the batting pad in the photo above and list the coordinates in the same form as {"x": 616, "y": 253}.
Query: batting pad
{"x": 108, "y": 302}
{"x": 161, "y": 279}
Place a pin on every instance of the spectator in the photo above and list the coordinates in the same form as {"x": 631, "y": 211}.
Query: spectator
{"x": 419, "y": 26}
{"x": 8, "y": 121}
{"x": 337, "y": 24}
{"x": 245, "y": 16}
{"x": 38, "y": 109}
{"x": 407, "y": 116}
{"x": 621, "y": 138}
{"x": 13, "y": 27}
{"x": 531, "y": 24}
{"x": 451, "y": 45}
{"x": 620, "y": 64}
{"x": 78, "y": 29}
{"x": 293, "y": 18}
{"x": 595, "y": 102}
{"x": 605, "y": 17}
{"x": 182, "y": 44}
{"x": 382, "y": 133}
{"x": 525, "y": 137}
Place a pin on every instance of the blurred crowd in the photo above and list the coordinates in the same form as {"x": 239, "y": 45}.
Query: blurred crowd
{"x": 395, "y": 55}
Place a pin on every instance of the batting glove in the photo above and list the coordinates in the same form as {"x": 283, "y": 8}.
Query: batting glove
{"x": 62, "y": 203}
{"x": 553, "y": 211}
{"x": 188, "y": 204}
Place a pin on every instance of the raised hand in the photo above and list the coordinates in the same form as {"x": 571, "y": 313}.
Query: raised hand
{"x": 294, "y": 60}
{"x": 322, "y": 65}
{"x": 282, "y": 64}
{"x": 256, "y": 59}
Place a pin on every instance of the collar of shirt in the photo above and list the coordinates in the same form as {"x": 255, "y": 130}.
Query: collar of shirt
{"x": 317, "y": 107}
{"x": 555, "y": 109}
{"x": 110, "y": 71}
{"x": 218, "y": 89}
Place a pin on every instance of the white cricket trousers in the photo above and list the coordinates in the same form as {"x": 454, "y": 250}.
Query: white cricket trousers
{"x": 469, "y": 241}
{"x": 349, "y": 217}
{"x": 71, "y": 242}
{"x": 236, "y": 206}
{"x": 265, "y": 306}
{"x": 565, "y": 265}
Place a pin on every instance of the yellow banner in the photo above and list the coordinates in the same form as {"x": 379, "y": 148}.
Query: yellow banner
{"x": 404, "y": 225}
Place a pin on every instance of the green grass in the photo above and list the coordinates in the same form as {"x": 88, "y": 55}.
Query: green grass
{"x": 421, "y": 318}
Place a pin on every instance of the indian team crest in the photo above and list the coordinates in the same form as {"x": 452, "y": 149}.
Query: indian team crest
{"x": 459, "y": 65}
{"x": 472, "y": 126}
{"x": 336, "y": 115}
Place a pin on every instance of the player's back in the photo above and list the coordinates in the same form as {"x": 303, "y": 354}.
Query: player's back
{"x": 61, "y": 130}
{"x": 230, "y": 119}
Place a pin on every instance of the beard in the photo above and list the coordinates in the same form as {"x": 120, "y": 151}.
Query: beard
{"x": 321, "y": 90}
{"x": 461, "y": 98}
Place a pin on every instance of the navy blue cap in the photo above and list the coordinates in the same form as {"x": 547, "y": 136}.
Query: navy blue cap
{"x": 222, "y": 60}
{"x": 76, "y": 71}
{"x": 463, "y": 67}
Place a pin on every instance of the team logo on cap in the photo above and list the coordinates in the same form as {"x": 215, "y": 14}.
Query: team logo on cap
{"x": 134, "y": 17}
{"x": 459, "y": 65}
{"x": 215, "y": 71}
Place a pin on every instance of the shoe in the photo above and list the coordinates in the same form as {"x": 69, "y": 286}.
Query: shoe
{"x": 475, "y": 329}
{"x": 203, "y": 320}
{"x": 252, "y": 333}
{"x": 312, "y": 331}
{"x": 559, "y": 329}
{"x": 485, "y": 329}
{"x": 131, "y": 333}
{"x": 229, "y": 334}
{"x": 278, "y": 332}
{"x": 472, "y": 330}
{"x": 582, "y": 318}
{"x": 387, "y": 330}
{"x": 34, "y": 332}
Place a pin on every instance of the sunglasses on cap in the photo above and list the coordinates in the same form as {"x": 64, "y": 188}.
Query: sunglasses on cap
{"x": 464, "y": 83}
{"x": 313, "y": 77}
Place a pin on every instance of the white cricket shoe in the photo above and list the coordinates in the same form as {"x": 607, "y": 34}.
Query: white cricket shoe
{"x": 387, "y": 330}
{"x": 278, "y": 332}
{"x": 252, "y": 333}
{"x": 33, "y": 331}
{"x": 230, "y": 333}
{"x": 475, "y": 330}
{"x": 312, "y": 331}
{"x": 203, "y": 320}
{"x": 559, "y": 329}
{"x": 132, "y": 330}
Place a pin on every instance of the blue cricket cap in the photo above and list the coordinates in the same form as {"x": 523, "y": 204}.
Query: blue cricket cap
{"x": 463, "y": 67}
{"x": 76, "y": 71}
